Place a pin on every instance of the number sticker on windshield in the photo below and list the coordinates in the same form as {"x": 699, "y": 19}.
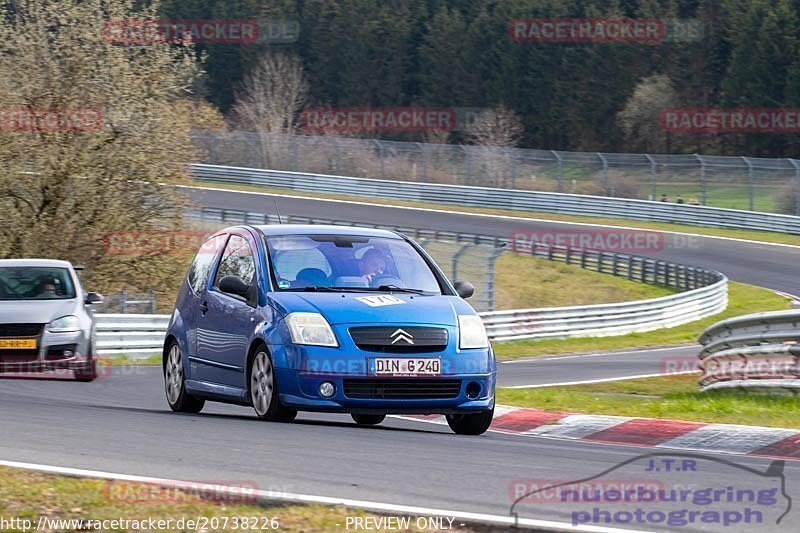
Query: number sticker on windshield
{"x": 381, "y": 300}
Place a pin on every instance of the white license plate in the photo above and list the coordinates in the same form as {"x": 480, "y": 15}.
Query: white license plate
{"x": 407, "y": 366}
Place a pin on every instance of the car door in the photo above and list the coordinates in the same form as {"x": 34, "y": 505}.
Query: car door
{"x": 197, "y": 280}
{"x": 226, "y": 321}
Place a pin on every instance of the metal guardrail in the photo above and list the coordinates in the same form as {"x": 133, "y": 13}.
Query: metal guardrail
{"x": 758, "y": 352}
{"x": 133, "y": 335}
{"x": 494, "y": 198}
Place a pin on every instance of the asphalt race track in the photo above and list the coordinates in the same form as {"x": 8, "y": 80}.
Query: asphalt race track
{"x": 121, "y": 423}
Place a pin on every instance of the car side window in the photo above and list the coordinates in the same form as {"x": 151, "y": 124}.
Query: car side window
{"x": 202, "y": 263}
{"x": 237, "y": 260}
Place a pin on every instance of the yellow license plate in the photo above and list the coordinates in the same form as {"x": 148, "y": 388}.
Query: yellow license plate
{"x": 18, "y": 344}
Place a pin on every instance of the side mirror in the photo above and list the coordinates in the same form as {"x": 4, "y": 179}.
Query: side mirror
{"x": 94, "y": 298}
{"x": 465, "y": 289}
{"x": 234, "y": 285}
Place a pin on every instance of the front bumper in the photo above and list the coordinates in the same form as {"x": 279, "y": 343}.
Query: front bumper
{"x": 70, "y": 351}
{"x": 301, "y": 391}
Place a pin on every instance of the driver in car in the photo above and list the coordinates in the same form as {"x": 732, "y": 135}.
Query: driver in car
{"x": 48, "y": 291}
{"x": 372, "y": 264}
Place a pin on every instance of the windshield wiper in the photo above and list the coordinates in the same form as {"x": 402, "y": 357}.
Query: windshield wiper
{"x": 395, "y": 288}
{"x": 323, "y": 288}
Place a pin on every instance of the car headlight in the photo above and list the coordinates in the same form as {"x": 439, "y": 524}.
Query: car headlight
{"x": 471, "y": 333}
{"x": 310, "y": 328}
{"x": 64, "y": 324}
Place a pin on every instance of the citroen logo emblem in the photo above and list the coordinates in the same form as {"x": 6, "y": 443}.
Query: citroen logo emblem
{"x": 401, "y": 335}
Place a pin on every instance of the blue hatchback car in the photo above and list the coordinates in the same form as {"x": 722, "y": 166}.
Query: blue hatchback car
{"x": 290, "y": 318}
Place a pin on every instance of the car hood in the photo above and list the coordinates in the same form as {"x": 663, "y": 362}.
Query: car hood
{"x": 34, "y": 311}
{"x": 370, "y": 307}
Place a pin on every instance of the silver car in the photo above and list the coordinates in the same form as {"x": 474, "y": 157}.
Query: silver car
{"x": 46, "y": 321}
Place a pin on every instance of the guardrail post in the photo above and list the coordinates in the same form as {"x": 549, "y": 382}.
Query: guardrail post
{"x": 381, "y": 157}
{"x": 152, "y": 301}
{"x": 456, "y": 258}
{"x": 750, "y": 181}
{"x": 559, "y": 165}
{"x": 653, "y": 191}
{"x": 212, "y": 149}
{"x": 337, "y": 162}
{"x": 796, "y": 166}
{"x": 490, "y": 282}
{"x": 605, "y": 173}
{"x": 513, "y": 156}
{"x": 424, "y": 161}
{"x": 703, "y": 186}
{"x": 467, "y": 167}
{"x": 295, "y": 158}
{"x": 123, "y": 301}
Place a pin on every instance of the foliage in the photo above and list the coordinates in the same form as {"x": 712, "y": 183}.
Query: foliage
{"x": 63, "y": 189}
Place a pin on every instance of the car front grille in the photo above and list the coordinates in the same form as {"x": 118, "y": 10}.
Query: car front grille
{"x": 402, "y": 389}
{"x": 21, "y": 330}
{"x": 400, "y": 339}
{"x": 18, "y": 356}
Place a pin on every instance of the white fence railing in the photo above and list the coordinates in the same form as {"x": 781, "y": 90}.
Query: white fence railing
{"x": 133, "y": 335}
{"x": 758, "y": 352}
{"x": 608, "y": 319}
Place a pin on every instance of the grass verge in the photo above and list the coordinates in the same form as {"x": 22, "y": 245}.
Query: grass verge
{"x": 742, "y": 299}
{"x": 676, "y": 397}
{"x": 524, "y": 282}
{"x": 30, "y": 495}
{"x": 764, "y": 236}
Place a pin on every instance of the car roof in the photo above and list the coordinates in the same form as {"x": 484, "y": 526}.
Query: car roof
{"x": 320, "y": 229}
{"x": 35, "y": 263}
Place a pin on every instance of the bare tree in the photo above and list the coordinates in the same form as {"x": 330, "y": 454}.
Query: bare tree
{"x": 498, "y": 126}
{"x": 495, "y": 131}
{"x": 88, "y": 130}
{"x": 640, "y": 119}
{"x": 269, "y": 99}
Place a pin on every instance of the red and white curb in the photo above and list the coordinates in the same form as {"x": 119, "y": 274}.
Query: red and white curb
{"x": 649, "y": 432}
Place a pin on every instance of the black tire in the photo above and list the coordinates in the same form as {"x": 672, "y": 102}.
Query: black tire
{"x": 263, "y": 389}
{"x": 87, "y": 373}
{"x": 472, "y": 424}
{"x": 178, "y": 399}
{"x": 368, "y": 420}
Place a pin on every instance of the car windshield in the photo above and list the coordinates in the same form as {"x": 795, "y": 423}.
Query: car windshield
{"x": 35, "y": 283}
{"x": 348, "y": 262}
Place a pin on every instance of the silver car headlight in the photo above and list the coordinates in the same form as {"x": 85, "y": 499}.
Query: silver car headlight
{"x": 471, "y": 333}
{"x": 64, "y": 324}
{"x": 310, "y": 328}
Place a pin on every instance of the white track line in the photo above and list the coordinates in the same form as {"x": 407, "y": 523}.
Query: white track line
{"x": 267, "y": 496}
{"x": 603, "y": 380}
{"x": 597, "y": 354}
{"x": 486, "y": 215}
